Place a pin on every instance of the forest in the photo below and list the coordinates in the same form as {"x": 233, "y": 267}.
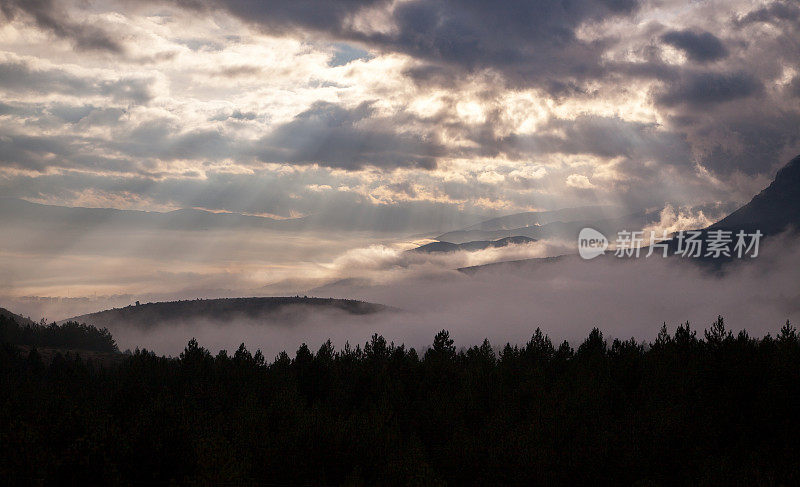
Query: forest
{"x": 688, "y": 408}
{"x": 69, "y": 335}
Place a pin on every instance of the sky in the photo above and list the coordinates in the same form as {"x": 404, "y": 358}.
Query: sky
{"x": 283, "y": 108}
{"x": 435, "y": 113}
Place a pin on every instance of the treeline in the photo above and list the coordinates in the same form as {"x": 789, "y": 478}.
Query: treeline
{"x": 69, "y": 335}
{"x": 714, "y": 409}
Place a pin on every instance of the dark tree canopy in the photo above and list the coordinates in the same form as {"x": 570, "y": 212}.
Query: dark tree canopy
{"x": 712, "y": 409}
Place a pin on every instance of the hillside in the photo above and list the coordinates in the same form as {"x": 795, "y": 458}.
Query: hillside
{"x": 436, "y": 247}
{"x": 223, "y": 310}
{"x": 21, "y": 320}
{"x": 774, "y": 209}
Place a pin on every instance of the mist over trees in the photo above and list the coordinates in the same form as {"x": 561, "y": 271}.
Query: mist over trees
{"x": 689, "y": 408}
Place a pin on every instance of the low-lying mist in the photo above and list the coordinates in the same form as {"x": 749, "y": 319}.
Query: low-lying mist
{"x": 624, "y": 298}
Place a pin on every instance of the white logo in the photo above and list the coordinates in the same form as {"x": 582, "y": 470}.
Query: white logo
{"x": 591, "y": 243}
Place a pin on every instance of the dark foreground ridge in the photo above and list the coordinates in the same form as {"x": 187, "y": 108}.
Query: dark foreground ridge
{"x": 71, "y": 335}
{"x": 713, "y": 409}
{"x": 222, "y": 309}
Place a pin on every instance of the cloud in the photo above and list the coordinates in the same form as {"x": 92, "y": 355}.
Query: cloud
{"x": 774, "y": 12}
{"x": 699, "y": 46}
{"x": 49, "y": 15}
{"x": 579, "y": 181}
{"x": 282, "y": 16}
{"x": 18, "y": 76}
{"x": 604, "y": 137}
{"x": 709, "y": 88}
{"x": 471, "y": 105}
{"x": 674, "y": 219}
{"x": 165, "y": 139}
{"x": 331, "y": 135}
{"x": 751, "y": 144}
{"x": 794, "y": 87}
{"x": 539, "y": 43}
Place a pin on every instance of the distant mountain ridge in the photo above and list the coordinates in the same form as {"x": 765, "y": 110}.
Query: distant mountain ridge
{"x": 436, "y": 247}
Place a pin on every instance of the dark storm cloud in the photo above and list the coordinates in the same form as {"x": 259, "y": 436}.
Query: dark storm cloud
{"x": 32, "y": 152}
{"x": 164, "y": 139}
{"x": 534, "y": 44}
{"x": 49, "y": 16}
{"x": 794, "y": 87}
{"x": 131, "y": 149}
{"x": 726, "y": 115}
{"x": 527, "y": 41}
{"x": 281, "y": 15}
{"x": 764, "y": 141}
{"x": 40, "y": 152}
{"x": 709, "y": 88}
{"x": 611, "y": 137}
{"x": 605, "y": 137}
{"x": 20, "y": 77}
{"x": 333, "y": 136}
{"x": 699, "y": 46}
{"x": 325, "y": 134}
{"x": 774, "y": 12}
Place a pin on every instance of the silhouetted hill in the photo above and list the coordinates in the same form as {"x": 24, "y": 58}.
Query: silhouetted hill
{"x": 772, "y": 210}
{"x": 221, "y": 310}
{"x": 19, "y": 319}
{"x": 435, "y": 247}
{"x": 70, "y": 335}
